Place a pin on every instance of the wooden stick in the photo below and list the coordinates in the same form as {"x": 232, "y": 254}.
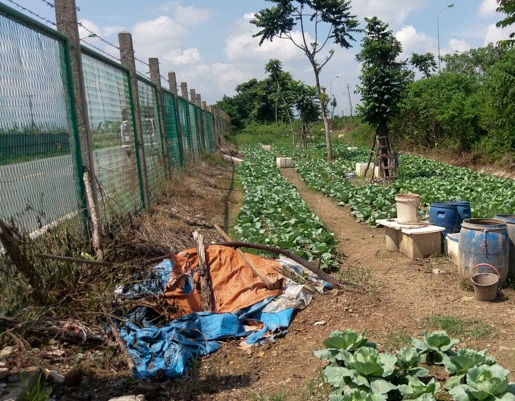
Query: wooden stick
{"x": 121, "y": 344}
{"x": 73, "y": 260}
{"x": 73, "y": 331}
{"x": 206, "y": 289}
{"x": 226, "y": 237}
{"x": 319, "y": 272}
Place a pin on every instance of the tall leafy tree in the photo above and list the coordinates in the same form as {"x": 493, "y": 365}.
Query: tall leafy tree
{"x": 384, "y": 79}
{"x": 507, "y": 7}
{"x": 425, "y": 63}
{"x": 331, "y": 23}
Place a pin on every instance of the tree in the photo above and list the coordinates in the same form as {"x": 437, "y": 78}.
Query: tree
{"x": 307, "y": 107}
{"x": 331, "y": 23}
{"x": 425, "y": 63}
{"x": 475, "y": 62}
{"x": 384, "y": 82}
{"x": 280, "y": 79}
{"x": 507, "y": 7}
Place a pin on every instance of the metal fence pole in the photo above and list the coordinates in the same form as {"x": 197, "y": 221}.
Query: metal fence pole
{"x": 66, "y": 19}
{"x": 155, "y": 77}
{"x": 127, "y": 59}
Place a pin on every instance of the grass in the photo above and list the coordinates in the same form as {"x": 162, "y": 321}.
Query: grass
{"x": 395, "y": 340}
{"x": 458, "y": 327}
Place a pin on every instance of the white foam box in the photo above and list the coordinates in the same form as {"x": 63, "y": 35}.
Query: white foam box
{"x": 452, "y": 246}
{"x": 284, "y": 162}
{"x": 268, "y": 148}
{"x": 420, "y": 243}
{"x": 361, "y": 167}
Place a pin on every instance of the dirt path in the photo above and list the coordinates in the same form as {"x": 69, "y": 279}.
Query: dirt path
{"x": 392, "y": 297}
{"x": 409, "y": 292}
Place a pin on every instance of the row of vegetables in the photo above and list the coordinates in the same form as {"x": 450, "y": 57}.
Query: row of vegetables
{"x": 273, "y": 213}
{"x": 358, "y": 372}
{"x": 433, "y": 181}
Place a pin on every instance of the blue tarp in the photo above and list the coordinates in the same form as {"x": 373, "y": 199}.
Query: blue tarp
{"x": 169, "y": 349}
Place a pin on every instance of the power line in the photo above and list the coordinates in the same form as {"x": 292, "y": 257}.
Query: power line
{"x": 32, "y": 12}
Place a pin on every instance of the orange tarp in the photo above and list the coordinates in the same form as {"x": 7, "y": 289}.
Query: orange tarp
{"x": 235, "y": 285}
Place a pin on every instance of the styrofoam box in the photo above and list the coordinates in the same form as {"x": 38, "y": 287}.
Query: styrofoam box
{"x": 361, "y": 167}
{"x": 452, "y": 244}
{"x": 284, "y": 162}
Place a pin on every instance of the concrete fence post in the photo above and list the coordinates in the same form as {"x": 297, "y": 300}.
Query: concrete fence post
{"x": 184, "y": 90}
{"x": 155, "y": 77}
{"x": 127, "y": 59}
{"x": 172, "y": 83}
{"x": 66, "y": 20}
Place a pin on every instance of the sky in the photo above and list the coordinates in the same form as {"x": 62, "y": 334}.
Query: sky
{"x": 209, "y": 43}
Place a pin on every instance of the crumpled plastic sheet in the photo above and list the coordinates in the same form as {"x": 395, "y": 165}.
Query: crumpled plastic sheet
{"x": 168, "y": 350}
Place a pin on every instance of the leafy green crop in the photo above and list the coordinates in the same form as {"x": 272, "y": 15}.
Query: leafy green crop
{"x": 485, "y": 383}
{"x": 433, "y": 181}
{"x": 273, "y": 213}
{"x": 434, "y": 346}
{"x": 359, "y": 372}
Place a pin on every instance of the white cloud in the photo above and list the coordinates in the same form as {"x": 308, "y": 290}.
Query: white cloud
{"x": 456, "y": 45}
{"x": 182, "y": 57}
{"x": 487, "y": 8}
{"x": 158, "y": 31}
{"x": 494, "y": 34}
{"x": 413, "y": 41}
{"x": 394, "y": 12}
{"x": 188, "y": 15}
{"x": 86, "y": 27}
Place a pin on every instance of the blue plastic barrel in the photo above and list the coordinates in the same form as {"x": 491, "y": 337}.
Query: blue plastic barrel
{"x": 464, "y": 212}
{"x": 483, "y": 241}
{"x": 510, "y": 223}
{"x": 444, "y": 214}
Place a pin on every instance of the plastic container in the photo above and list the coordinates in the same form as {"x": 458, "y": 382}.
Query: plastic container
{"x": 486, "y": 285}
{"x": 510, "y": 223}
{"x": 483, "y": 241}
{"x": 453, "y": 247}
{"x": 445, "y": 214}
{"x": 407, "y": 208}
{"x": 464, "y": 212}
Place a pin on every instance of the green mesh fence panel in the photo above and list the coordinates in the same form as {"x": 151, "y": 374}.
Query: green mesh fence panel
{"x": 151, "y": 137}
{"x": 210, "y": 132}
{"x": 38, "y": 179}
{"x": 194, "y": 132}
{"x": 185, "y": 125}
{"x": 207, "y": 140}
{"x": 172, "y": 129}
{"x": 110, "y": 119}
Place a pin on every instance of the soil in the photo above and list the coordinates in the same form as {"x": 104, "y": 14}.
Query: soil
{"x": 386, "y": 294}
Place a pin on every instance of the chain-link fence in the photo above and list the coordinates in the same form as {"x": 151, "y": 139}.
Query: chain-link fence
{"x": 111, "y": 122}
{"x": 38, "y": 165}
{"x": 42, "y": 152}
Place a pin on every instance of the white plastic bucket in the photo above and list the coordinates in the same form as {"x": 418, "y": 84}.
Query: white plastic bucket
{"x": 407, "y": 208}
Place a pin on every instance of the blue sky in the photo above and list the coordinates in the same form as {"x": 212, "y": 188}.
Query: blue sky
{"x": 209, "y": 43}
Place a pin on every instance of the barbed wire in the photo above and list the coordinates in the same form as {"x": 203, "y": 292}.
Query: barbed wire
{"x": 32, "y": 12}
{"x": 94, "y": 34}
{"x": 101, "y": 50}
{"x": 48, "y": 3}
{"x": 53, "y": 6}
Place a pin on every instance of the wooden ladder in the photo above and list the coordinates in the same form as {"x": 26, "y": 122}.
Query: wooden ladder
{"x": 383, "y": 157}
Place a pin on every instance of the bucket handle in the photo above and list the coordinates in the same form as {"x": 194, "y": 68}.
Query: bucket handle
{"x": 487, "y": 265}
